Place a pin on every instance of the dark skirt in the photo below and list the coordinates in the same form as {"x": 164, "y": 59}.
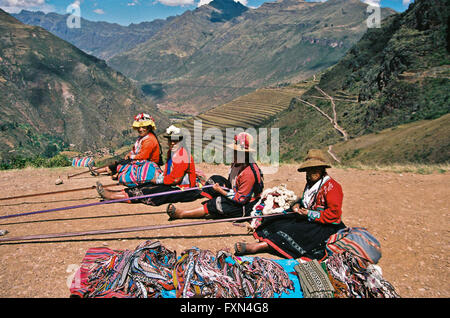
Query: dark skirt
{"x": 182, "y": 196}
{"x": 293, "y": 236}
{"x": 209, "y": 192}
{"x": 220, "y": 207}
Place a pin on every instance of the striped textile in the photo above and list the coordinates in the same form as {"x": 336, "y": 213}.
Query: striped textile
{"x": 79, "y": 286}
{"x": 82, "y": 162}
{"x": 356, "y": 240}
{"x": 138, "y": 172}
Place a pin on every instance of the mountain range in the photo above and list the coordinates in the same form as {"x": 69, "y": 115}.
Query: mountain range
{"x": 196, "y": 62}
{"x": 101, "y": 39}
{"x": 376, "y": 95}
{"x": 219, "y": 51}
{"x": 53, "y": 96}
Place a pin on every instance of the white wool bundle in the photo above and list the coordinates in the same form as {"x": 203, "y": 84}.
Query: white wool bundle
{"x": 278, "y": 195}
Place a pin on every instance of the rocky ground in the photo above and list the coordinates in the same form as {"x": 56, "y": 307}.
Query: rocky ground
{"x": 406, "y": 212}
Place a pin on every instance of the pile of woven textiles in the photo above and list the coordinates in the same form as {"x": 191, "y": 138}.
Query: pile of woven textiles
{"x": 354, "y": 277}
{"x": 151, "y": 270}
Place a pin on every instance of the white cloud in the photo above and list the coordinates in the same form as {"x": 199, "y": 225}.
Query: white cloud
{"x": 174, "y": 3}
{"x": 99, "y": 11}
{"x": 133, "y": 3}
{"x": 15, "y": 6}
{"x": 406, "y": 2}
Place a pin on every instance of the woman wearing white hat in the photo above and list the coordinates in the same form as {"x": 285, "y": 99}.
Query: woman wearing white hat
{"x": 318, "y": 216}
{"x": 244, "y": 183}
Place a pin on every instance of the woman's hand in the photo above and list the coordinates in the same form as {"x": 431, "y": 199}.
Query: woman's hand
{"x": 217, "y": 188}
{"x": 302, "y": 211}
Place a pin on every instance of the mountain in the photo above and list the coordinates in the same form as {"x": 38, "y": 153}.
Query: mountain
{"x": 101, "y": 39}
{"x": 198, "y": 60}
{"x": 53, "y": 95}
{"x": 394, "y": 76}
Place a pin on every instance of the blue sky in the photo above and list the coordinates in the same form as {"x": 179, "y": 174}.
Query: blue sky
{"x": 134, "y": 11}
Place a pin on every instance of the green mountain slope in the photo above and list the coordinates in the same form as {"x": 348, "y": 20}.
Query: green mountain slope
{"x": 53, "y": 95}
{"x": 397, "y": 74}
{"x": 195, "y": 63}
{"x": 101, "y": 39}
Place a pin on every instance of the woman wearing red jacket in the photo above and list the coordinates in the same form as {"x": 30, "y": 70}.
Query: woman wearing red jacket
{"x": 179, "y": 173}
{"x": 318, "y": 215}
{"x": 146, "y": 147}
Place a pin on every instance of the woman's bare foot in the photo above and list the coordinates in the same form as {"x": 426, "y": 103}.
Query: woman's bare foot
{"x": 175, "y": 213}
{"x": 241, "y": 248}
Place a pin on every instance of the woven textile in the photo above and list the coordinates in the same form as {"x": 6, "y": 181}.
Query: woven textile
{"x": 82, "y": 162}
{"x": 139, "y": 172}
{"x": 314, "y": 280}
{"x": 356, "y": 240}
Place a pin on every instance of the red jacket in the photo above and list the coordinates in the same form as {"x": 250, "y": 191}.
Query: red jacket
{"x": 146, "y": 148}
{"x": 328, "y": 205}
{"x": 180, "y": 169}
{"x": 242, "y": 191}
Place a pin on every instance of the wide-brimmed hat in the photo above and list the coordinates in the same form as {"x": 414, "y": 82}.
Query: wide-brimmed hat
{"x": 314, "y": 158}
{"x": 143, "y": 120}
{"x": 242, "y": 142}
{"x": 173, "y": 133}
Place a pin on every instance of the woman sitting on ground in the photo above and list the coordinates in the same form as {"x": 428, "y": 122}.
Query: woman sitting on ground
{"x": 179, "y": 173}
{"x": 318, "y": 215}
{"x": 245, "y": 184}
{"x": 146, "y": 147}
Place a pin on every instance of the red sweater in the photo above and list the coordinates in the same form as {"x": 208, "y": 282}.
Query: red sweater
{"x": 328, "y": 205}
{"x": 178, "y": 165}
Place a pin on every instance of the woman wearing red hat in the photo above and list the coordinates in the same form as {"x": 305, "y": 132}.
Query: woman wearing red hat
{"x": 245, "y": 184}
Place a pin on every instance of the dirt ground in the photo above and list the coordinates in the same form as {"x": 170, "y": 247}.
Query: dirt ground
{"x": 406, "y": 212}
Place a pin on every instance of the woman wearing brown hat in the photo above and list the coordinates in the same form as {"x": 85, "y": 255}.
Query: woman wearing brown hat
{"x": 318, "y": 216}
{"x": 244, "y": 186}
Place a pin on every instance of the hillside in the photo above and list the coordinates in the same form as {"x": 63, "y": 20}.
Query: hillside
{"x": 101, "y": 39}
{"x": 412, "y": 142}
{"x": 197, "y": 62}
{"x": 53, "y": 95}
{"x": 395, "y": 75}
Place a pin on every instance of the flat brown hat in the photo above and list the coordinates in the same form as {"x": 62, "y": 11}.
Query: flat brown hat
{"x": 314, "y": 158}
